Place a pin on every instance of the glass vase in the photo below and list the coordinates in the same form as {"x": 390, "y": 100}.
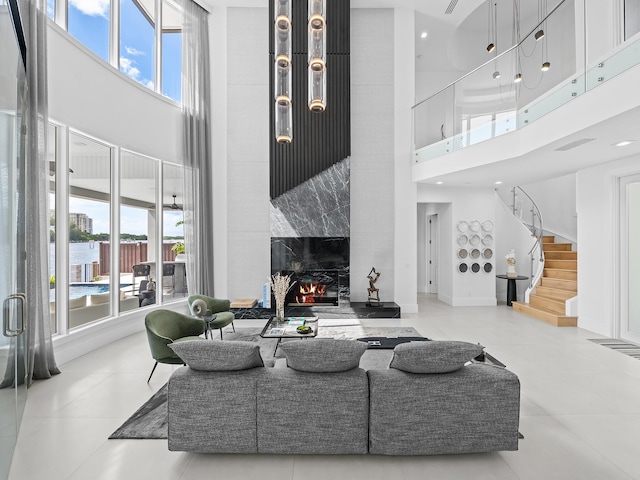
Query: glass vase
{"x": 280, "y": 310}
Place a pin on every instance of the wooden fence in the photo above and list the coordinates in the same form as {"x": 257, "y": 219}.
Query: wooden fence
{"x": 131, "y": 254}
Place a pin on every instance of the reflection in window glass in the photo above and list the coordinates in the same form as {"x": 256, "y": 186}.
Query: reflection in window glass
{"x": 171, "y": 51}
{"x": 51, "y": 9}
{"x": 52, "y": 224}
{"x": 89, "y": 230}
{"x": 88, "y": 21}
{"x": 173, "y": 233}
{"x": 137, "y": 44}
{"x": 138, "y": 227}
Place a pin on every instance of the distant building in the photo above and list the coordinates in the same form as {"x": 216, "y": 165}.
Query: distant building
{"x": 82, "y": 222}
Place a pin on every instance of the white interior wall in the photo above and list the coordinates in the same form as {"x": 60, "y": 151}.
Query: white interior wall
{"x": 556, "y": 199}
{"x": 372, "y": 152}
{"x": 422, "y": 245}
{"x": 405, "y": 195}
{"x": 454, "y": 288}
{"x": 598, "y": 243}
{"x": 247, "y": 117}
{"x": 511, "y": 233}
{"x": 89, "y": 95}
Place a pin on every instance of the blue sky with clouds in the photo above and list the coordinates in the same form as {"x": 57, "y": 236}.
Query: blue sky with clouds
{"x": 88, "y": 21}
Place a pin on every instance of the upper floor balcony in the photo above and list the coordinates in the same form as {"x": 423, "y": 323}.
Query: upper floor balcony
{"x": 540, "y": 109}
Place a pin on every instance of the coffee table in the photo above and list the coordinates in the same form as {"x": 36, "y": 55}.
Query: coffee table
{"x": 287, "y": 329}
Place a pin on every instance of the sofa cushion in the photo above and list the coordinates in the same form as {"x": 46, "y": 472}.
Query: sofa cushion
{"x": 323, "y": 355}
{"x": 433, "y": 357}
{"x": 99, "y": 298}
{"x": 218, "y": 356}
{"x": 77, "y": 302}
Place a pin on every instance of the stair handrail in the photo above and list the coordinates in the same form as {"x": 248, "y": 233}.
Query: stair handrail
{"x": 538, "y": 233}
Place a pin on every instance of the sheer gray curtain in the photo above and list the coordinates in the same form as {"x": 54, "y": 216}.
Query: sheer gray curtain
{"x": 41, "y": 360}
{"x": 198, "y": 178}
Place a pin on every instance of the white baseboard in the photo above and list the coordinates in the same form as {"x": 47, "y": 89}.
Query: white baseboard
{"x": 95, "y": 335}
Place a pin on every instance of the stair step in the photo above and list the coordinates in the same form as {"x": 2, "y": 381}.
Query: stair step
{"x": 561, "y": 264}
{"x": 554, "y": 247}
{"x": 560, "y": 255}
{"x": 555, "y": 293}
{"x": 548, "y": 238}
{"x": 559, "y": 283}
{"x": 560, "y": 273}
{"x": 545, "y": 315}
{"x": 548, "y": 304}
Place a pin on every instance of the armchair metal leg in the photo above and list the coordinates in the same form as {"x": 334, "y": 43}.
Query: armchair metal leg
{"x": 234, "y": 327}
{"x": 153, "y": 370}
{"x": 220, "y": 334}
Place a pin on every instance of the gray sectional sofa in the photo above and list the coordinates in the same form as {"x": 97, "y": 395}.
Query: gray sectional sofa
{"x": 429, "y": 400}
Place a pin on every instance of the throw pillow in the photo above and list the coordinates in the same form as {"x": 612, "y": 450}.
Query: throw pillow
{"x": 218, "y": 356}
{"x": 323, "y": 355}
{"x": 78, "y": 302}
{"x": 433, "y": 357}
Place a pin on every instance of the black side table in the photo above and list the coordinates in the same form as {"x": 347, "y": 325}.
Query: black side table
{"x": 512, "y": 293}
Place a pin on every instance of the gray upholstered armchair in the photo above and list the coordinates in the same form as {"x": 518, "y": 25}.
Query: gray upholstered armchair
{"x": 165, "y": 327}
{"x": 217, "y": 307}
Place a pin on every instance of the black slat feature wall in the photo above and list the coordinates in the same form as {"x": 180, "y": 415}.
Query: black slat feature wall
{"x": 320, "y": 140}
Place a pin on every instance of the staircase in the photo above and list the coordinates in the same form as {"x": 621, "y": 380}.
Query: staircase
{"x": 558, "y": 283}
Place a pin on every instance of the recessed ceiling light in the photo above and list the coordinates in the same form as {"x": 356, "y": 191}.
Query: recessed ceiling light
{"x": 624, "y": 143}
{"x": 498, "y": 182}
{"x": 439, "y": 183}
{"x": 423, "y": 34}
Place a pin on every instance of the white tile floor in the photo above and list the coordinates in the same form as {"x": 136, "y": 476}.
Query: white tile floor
{"x": 580, "y": 414}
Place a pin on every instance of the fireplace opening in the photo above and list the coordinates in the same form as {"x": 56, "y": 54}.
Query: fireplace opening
{"x": 313, "y": 288}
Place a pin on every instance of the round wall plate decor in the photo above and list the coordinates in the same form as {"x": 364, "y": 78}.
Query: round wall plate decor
{"x": 462, "y": 267}
{"x": 462, "y": 253}
{"x": 475, "y": 267}
{"x": 474, "y": 226}
{"x": 487, "y": 240}
{"x": 487, "y": 253}
{"x": 474, "y": 240}
{"x": 487, "y": 267}
{"x": 487, "y": 226}
{"x": 475, "y": 253}
{"x": 463, "y": 240}
{"x": 462, "y": 226}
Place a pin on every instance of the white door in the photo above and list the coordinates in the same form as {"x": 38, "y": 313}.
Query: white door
{"x": 432, "y": 254}
{"x": 630, "y": 258}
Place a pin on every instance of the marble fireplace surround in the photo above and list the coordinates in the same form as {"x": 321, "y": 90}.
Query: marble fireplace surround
{"x": 319, "y": 260}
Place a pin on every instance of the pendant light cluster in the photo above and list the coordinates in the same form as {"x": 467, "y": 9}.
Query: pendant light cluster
{"x": 317, "y": 64}
{"x": 282, "y": 83}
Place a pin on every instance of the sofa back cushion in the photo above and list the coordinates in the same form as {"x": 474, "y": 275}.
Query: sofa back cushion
{"x": 323, "y": 355}
{"x": 218, "y": 356}
{"x": 434, "y": 356}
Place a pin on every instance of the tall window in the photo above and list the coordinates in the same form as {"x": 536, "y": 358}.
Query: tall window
{"x": 89, "y": 230}
{"x": 52, "y": 152}
{"x": 172, "y": 229}
{"x": 171, "y": 51}
{"x": 88, "y": 21}
{"x": 137, "y": 41}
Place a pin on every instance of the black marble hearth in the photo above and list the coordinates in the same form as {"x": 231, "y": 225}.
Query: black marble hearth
{"x": 353, "y": 310}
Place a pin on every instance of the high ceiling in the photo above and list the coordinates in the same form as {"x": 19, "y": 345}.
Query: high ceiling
{"x": 456, "y": 44}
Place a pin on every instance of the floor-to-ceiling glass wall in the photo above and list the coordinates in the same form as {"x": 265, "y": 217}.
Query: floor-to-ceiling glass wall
{"x": 89, "y": 223}
{"x": 630, "y": 258}
{"x": 13, "y": 98}
{"x": 172, "y": 231}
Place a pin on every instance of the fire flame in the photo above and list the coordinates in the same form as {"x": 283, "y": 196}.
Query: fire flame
{"x": 310, "y": 291}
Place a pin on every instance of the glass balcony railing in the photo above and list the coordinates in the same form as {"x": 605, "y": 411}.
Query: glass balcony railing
{"x": 489, "y": 101}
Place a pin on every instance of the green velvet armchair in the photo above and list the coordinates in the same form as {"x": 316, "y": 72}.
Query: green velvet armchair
{"x": 165, "y": 327}
{"x": 218, "y": 307}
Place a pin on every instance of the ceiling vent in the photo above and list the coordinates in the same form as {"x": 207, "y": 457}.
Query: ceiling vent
{"x": 574, "y": 144}
{"x": 451, "y": 6}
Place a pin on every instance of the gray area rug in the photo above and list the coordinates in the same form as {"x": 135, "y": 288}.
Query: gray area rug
{"x": 150, "y": 420}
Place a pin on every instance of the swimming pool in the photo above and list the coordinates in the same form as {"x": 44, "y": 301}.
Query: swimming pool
{"x": 77, "y": 290}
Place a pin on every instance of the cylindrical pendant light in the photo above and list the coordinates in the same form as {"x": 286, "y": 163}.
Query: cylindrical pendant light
{"x": 317, "y": 46}
{"x": 282, "y": 69}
